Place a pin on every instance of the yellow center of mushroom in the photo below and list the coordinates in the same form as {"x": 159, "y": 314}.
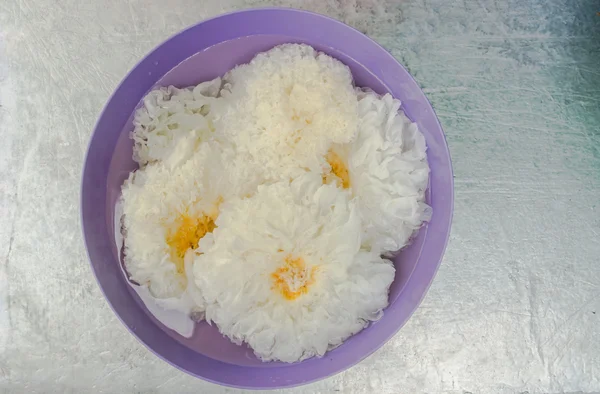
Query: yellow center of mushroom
{"x": 339, "y": 170}
{"x": 293, "y": 278}
{"x": 190, "y": 229}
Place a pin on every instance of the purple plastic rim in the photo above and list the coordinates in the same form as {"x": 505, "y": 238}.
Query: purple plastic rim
{"x": 301, "y": 26}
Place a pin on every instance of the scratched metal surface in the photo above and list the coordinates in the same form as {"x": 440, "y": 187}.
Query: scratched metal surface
{"x": 516, "y": 304}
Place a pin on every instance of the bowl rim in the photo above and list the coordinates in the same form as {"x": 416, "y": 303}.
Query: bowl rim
{"x": 418, "y": 291}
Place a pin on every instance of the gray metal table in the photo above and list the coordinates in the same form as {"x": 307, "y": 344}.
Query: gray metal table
{"x": 515, "y": 306}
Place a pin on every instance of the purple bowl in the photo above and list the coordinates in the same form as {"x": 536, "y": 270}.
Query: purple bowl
{"x": 203, "y": 52}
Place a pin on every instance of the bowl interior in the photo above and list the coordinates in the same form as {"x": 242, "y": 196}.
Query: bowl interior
{"x": 206, "y": 65}
{"x": 182, "y": 61}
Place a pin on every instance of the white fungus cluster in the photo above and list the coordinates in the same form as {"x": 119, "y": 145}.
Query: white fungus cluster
{"x": 266, "y": 199}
